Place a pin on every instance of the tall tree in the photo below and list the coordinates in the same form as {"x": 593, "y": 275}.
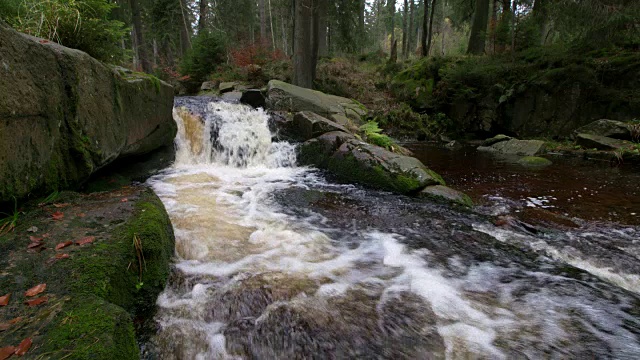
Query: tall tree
{"x": 202, "y": 15}
{"x": 433, "y": 11}
{"x": 323, "y": 49}
{"x": 423, "y": 41}
{"x": 391, "y": 13}
{"x": 263, "y": 22}
{"x": 185, "y": 29}
{"x": 410, "y": 28}
{"x": 479, "y": 28}
{"x": 302, "y": 46}
{"x": 405, "y": 29}
{"x": 140, "y": 49}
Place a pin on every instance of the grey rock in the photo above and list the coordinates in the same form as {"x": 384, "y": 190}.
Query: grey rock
{"x": 589, "y": 141}
{"x": 607, "y": 128}
{"x": 226, "y": 87}
{"x": 309, "y": 125}
{"x": 233, "y": 96}
{"x": 496, "y": 139}
{"x": 534, "y": 161}
{"x": 446, "y": 194}
{"x": 208, "y": 86}
{"x": 516, "y": 147}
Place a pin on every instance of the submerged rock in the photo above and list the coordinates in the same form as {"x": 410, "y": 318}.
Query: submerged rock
{"x": 94, "y": 290}
{"x": 309, "y": 125}
{"x": 446, "y": 194}
{"x": 496, "y": 139}
{"x": 534, "y": 161}
{"x": 516, "y": 147}
{"x": 607, "y": 128}
{"x": 589, "y": 141}
{"x": 64, "y": 115}
{"x": 282, "y": 96}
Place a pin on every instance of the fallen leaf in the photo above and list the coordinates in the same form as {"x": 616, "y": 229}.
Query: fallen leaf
{"x": 61, "y": 205}
{"x": 40, "y": 288}
{"x": 124, "y": 200}
{"x": 44, "y": 41}
{"x": 35, "y": 238}
{"x": 23, "y": 347}
{"x": 63, "y": 245}
{"x": 37, "y": 301}
{"x": 7, "y": 352}
{"x": 81, "y": 215}
{"x": 32, "y": 229}
{"x": 62, "y": 256}
{"x": 16, "y": 320}
{"x": 57, "y": 215}
{"x": 86, "y": 240}
{"x": 34, "y": 245}
{"x": 44, "y": 236}
{"x": 4, "y": 300}
{"x": 5, "y": 326}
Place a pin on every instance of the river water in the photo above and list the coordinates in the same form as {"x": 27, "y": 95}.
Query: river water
{"x": 279, "y": 261}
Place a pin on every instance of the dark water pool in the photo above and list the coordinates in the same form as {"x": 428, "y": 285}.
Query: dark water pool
{"x": 570, "y": 188}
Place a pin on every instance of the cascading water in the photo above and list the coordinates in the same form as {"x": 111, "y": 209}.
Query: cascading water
{"x": 274, "y": 262}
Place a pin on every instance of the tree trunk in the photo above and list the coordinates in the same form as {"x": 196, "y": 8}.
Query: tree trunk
{"x": 405, "y": 29}
{"x": 412, "y": 8}
{"x": 263, "y": 22}
{"x": 315, "y": 37}
{"x": 302, "y": 49}
{"x": 541, "y": 16}
{"x": 433, "y": 11}
{"x": 423, "y": 41}
{"x": 273, "y": 35}
{"x": 514, "y": 15}
{"x": 285, "y": 45}
{"x": 136, "y": 19}
{"x": 361, "y": 27}
{"x": 185, "y": 34}
{"x": 394, "y": 53}
{"x": 202, "y": 16}
{"x": 391, "y": 9}
{"x": 479, "y": 28}
{"x": 323, "y": 50}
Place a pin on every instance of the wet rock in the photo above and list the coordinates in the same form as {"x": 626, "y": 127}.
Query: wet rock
{"x": 607, "y": 128}
{"x": 233, "y": 96}
{"x": 516, "y": 147}
{"x": 589, "y": 141}
{"x": 286, "y": 97}
{"x": 446, "y": 194}
{"x": 95, "y": 292}
{"x": 208, "y": 86}
{"x": 254, "y": 98}
{"x": 496, "y": 139}
{"x": 318, "y": 151}
{"x": 534, "y": 161}
{"x": 64, "y": 115}
{"x": 309, "y": 125}
{"x": 226, "y": 87}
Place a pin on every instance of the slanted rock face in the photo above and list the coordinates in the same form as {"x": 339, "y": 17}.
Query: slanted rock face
{"x": 516, "y": 147}
{"x": 608, "y": 128}
{"x": 286, "y": 97}
{"x": 589, "y": 141}
{"x": 309, "y": 125}
{"x": 446, "y": 194}
{"x": 64, "y": 115}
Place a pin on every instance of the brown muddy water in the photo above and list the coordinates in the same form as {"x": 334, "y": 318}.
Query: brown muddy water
{"x": 571, "y": 187}
{"x": 277, "y": 261}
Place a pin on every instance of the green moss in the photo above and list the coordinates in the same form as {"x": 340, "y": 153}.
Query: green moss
{"x": 534, "y": 161}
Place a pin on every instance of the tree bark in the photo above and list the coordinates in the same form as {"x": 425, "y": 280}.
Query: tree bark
{"x": 136, "y": 19}
{"x": 391, "y": 12}
{"x": 514, "y": 7}
{"x": 323, "y": 49}
{"x": 202, "y": 16}
{"x": 479, "y": 28}
{"x": 412, "y": 8}
{"x": 405, "y": 29}
{"x": 361, "y": 27}
{"x": 541, "y": 16}
{"x": 185, "y": 34}
{"x": 433, "y": 11}
{"x": 423, "y": 41}
{"x": 263, "y": 22}
{"x": 302, "y": 47}
{"x": 273, "y": 35}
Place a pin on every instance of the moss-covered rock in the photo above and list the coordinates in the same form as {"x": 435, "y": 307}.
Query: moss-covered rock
{"x": 534, "y": 161}
{"x": 446, "y": 194}
{"x": 94, "y": 294}
{"x": 64, "y": 115}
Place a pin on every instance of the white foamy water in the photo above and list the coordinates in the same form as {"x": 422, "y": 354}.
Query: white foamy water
{"x": 241, "y": 259}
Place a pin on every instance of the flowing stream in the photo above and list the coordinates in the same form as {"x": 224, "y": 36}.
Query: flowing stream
{"x": 276, "y": 261}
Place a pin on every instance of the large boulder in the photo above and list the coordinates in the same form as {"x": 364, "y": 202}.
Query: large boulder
{"x": 64, "y": 115}
{"x": 607, "y": 128}
{"x": 308, "y": 125}
{"x": 589, "y": 141}
{"x": 282, "y": 96}
{"x": 516, "y": 147}
{"x": 353, "y": 160}
{"x": 446, "y": 194}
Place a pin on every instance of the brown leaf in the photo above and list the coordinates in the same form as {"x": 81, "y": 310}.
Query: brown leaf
{"x": 16, "y": 320}
{"x": 81, "y": 215}
{"x": 124, "y": 200}
{"x": 4, "y": 300}
{"x": 63, "y": 245}
{"x": 23, "y": 347}
{"x": 38, "y": 289}
{"x": 44, "y": 236}
{"x": 37, "y": 301}
{"x": 62, "y": 205}
{"x": 86, "y": 240}
{"x": 62, "y": 256}
{"x": 35, "y": 238}
{"x": 34, "y": 245}
{"x": 7, "y": 352}
{"x": 57, "y": 215}
{"x": 4, "y": 326}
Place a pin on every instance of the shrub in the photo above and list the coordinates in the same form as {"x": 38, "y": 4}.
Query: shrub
{"x": 79, "y": 24}
{"x": 373, "y": 134}
{"x": 207, "y": 52}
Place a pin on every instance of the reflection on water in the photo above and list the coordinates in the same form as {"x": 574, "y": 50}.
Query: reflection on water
{"x": 274, "y": 262}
